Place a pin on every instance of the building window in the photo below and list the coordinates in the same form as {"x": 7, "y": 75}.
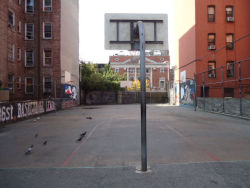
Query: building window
{"x": 229, "y": 41}
{"x": 229, "y": 14}
{"x": 29, "y": 31}
{"x": 47, "y": 56}
{"x": 47, "y": 30}
{"x": 211, "y": 69}
{"x": 211, "y": 13}
{"x": 205, "y": 92}
{"x": 116, "y": 59}
{"x": 11, "y": 80}
{"x": 147, "y": 70}
{"x": 47, "y": 84}
{"x": 230, "y": 69}
{"x": 29, "y": 6}
{"x": 228, "y": 92}
{"x": 47, "y": 5}
{"x": 29, "y": 85}
{"x": 162, "y": 70}
{"x": 117, "y": 70}
{"x": 11, "y": 19}
{"x": 11, "y": 52}
{"x": 20, "y": 2}
{"x": 211, "y": 41}
{"x": 131, "y": 78}
{"x": 18, "y": 83}
{"x": 19, "y": 27}
{"x": 29, "y": 58}
{"x": 19, "y": 55}
{"x": 131, "y": 70}
{"x": 162, "y": 83}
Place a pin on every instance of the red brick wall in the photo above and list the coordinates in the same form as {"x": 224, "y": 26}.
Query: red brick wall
{"x": 14, "y": 37}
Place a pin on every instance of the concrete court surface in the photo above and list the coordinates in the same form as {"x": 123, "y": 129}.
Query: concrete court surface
{"x": 185, "y": 149}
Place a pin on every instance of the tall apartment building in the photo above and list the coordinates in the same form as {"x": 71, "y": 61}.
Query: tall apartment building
{"x": 39, "y": 51}
{"x": 209, "y": 34}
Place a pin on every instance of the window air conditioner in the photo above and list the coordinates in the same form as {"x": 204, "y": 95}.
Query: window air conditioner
{"x": 230, "y": 19}
{"x": 212, "y": 47}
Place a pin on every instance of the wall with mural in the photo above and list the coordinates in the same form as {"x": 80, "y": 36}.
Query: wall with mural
{"x": 11, "y": 112}
{"x": 187, "y": 92}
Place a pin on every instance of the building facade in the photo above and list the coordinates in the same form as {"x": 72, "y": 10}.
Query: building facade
{"x": 157, "y": 69}
{"x": 39, "y": 48}
{"x": 211, "y": 37}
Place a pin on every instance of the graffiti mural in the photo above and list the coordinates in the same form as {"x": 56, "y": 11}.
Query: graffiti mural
{"x": 15, "y": 111}
{"x": 70, "y": 91}
{"x": 187, "y": 92}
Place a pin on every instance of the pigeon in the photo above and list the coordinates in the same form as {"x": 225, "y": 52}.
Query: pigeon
{"x": 81, "y": 136}
{"x": 89, "y": 117}
{"x": 36, "y": 135}
{"x": 45, "y": 142}
{"x": 29, "y": 150}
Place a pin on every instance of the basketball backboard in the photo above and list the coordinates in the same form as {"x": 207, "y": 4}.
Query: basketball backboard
{"x": 119, "y": 31}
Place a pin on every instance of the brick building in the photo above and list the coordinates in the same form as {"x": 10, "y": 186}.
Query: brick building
{"x": 209, "y": 35}
{"x": 39, "y": 47}
{"x": 157, "y": 69}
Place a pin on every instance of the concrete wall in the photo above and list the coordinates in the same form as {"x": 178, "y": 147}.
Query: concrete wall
{"x": 70, "y": 42}
{"x": 112, "y": 97}
{"x": 231, "y": 105}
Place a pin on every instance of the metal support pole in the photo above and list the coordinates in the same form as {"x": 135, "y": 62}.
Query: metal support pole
{"x": 195, "y": 93}
{"x": 55, "y": 89}
{"x": 143, "y": 98}
{"x": 240, "y": 88}
{"x": 223, "y": 94}
{"x": 204, "y": 96}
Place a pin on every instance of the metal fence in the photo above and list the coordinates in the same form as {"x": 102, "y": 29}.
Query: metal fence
{"x": 225, "y": 89}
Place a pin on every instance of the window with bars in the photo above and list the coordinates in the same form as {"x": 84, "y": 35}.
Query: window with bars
{"x": 29, "y": 85}
{"x": 11, "y": 52}
{"x": 47, "y": 5}
{"x": 47, "y": 55}
{"x": 229, "y": 13}
{"x": 211, "y": 41}
{"x": 229, "y": 41}
{"x": 230, "y": 69}
{"x": 11, "y": 19}
{"x": 29, "y": 6}
{"x": 211, "y": 69}
{"x": 29, "y": 58}
{"x": 47, "y": 84}
{"x": 162, "y": 83}
{"x": 19, "y": 83}
{"x": 47, "y": 30}
{"x": 211, "y": 13}
{"x": 29, "y": 31}
{"x": 11, "y": 80}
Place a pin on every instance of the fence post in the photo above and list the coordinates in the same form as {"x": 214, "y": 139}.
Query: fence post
{"x": 203, "y": 88}
{"x": 195, "y": 93}
{"x": 240, "y": 89}
{"x": 223, "y": 94}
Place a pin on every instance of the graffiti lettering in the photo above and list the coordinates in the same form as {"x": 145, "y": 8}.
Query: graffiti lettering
{"x": 6, "y": 113}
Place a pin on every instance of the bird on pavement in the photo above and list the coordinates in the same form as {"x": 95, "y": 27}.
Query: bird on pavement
{"x": 29, "y": 150}
{"x": 45, "y": 142}
{"x": 89, "y": 117}
{"x": 81, "y": 136}
{"x": 36, "y": 135}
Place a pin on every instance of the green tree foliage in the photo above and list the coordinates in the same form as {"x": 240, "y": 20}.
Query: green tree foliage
{"x": 99, "y": 80}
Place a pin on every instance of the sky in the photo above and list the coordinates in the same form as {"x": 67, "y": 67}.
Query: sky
{"x": 91, "y": 23}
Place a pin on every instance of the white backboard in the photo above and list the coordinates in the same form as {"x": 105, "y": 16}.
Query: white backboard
{"x": 119, "y": 31}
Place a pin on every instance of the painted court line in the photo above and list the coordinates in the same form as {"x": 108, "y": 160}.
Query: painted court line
{"x": 194, "y": 144}
{"x": 77, "y": 149}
